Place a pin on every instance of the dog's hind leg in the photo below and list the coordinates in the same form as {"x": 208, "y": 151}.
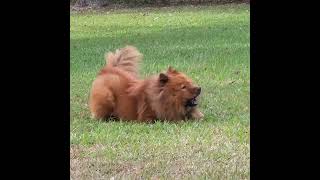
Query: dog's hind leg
{"x": 101, "y": 104}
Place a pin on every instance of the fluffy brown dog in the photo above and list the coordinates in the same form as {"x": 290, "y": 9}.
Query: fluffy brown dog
{"x": 118, "y": 92}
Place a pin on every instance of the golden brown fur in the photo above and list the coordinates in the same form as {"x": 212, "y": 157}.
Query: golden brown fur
{"x": 118, "y": 92}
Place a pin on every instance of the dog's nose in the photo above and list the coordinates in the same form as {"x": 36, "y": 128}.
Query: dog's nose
{"x": 198, "y": 90}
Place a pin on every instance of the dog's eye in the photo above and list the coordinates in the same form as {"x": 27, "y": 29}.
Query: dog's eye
{"x": 183, "y": 87}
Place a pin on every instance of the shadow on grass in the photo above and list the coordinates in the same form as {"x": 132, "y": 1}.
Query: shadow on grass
{"x": 189, "y": 43}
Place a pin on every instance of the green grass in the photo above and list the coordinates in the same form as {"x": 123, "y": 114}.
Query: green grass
{"x": 211, "y": 45}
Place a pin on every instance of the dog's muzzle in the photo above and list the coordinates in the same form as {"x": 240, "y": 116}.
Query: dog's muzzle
{"x": 193, "y": 102}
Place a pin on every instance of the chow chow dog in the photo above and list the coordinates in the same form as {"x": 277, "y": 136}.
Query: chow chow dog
{"x": 118, "y": 92}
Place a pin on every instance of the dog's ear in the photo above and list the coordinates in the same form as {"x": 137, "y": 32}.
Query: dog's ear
{"x": 163, "y": 78}
{"x": 171, "y": 70}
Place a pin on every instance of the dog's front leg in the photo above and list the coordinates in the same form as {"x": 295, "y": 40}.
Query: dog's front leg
{"x": 196, "y": 114}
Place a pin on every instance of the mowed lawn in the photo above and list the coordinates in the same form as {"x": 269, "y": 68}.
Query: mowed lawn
{"x": 211, "y": 45}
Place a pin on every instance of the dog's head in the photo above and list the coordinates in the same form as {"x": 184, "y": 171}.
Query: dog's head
{"x": 179, "y": 88}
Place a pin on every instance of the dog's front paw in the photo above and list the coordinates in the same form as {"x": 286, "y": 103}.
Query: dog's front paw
{"x": 196, "y": 114}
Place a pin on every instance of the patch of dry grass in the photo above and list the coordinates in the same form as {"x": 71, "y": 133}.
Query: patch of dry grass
{"x": 216, "y": 152}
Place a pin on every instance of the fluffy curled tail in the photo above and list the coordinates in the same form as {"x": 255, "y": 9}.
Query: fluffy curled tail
{"x": 126, "y": 58}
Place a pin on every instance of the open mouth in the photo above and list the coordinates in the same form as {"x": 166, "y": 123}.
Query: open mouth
{"x": 192, "y": 102}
